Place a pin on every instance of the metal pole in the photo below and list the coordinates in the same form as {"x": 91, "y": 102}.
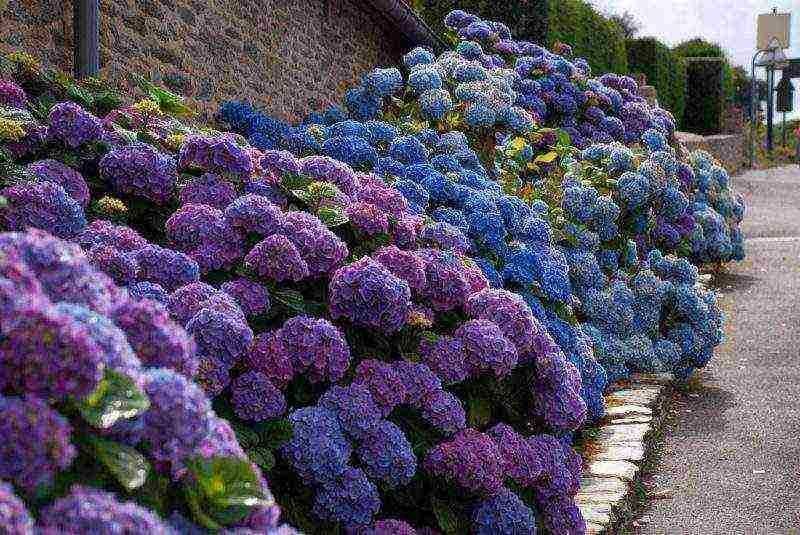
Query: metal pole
{"x": 86, "y": 26}
{"x": 784, "y": 130}
{"x": 753, "y": 110}
{"x": 770, "y": 110}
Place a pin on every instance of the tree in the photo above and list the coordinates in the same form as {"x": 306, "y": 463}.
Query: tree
{"x": 627, "y": 23}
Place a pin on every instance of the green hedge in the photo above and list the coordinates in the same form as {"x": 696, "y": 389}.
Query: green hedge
{"x": 700, "y": 48}
{"x": 590, "y": 34}
{"x": 574, "y": 22}
{"x": 665, "y": 70}
{"x": 526, "y": 18}
{"x": 705, "y": 95}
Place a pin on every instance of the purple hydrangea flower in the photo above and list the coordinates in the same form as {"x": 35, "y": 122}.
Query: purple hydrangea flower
{"x": 386, "y": 455}
{"x": 101, "y": 232}
{"x": 89, "y": 510}
{"x": 369, "y": 295}
{"x": 384, "y": 383}
{"x": 36, "y": 442}
{"x": 405, "y": 231}
{"x": 444, "y": 411}
{"x": 404, "y": 265}
{"x": 321, "y": 249}
{"x": 188, "y": 300}
{"x": 253, "y": 298}
{"x": 178, "y": 418}
{"x": 471, "y": 459}
{"x": 12, "y": 95}
{"x": 171, "y": 269}
{"x": 351, "y": 499}
{"x": 42, "y": 205}
{"x": 446, "y": 237}
{"x": 354, "y": 407}
{"x": 254, "y": 214}
{"x": 208, "y": 189}
{"x": 220, "y": 334}
{"x": 157, "y": 340}
{"x": 46, "y": 352}
{"x": 277, "y": 258}
{"x": 419, "y": 381}
{"x": 269, "y": 356}
{"x": 318, "y": 449}
{"x": 504, "y": 514}
{"x": 509, "y": 312}
{"x": 445, "y": 357}
{"x": 446, "y": 286}
{"x": 73, "y": 125}
{"x": 212, "y": 375}
{"x": 323, "y": 168}
{"x": 556, "y": 392}
{"x": 120, "y": 266}
{"x": 374, "y": 191}
{"x": 66, "y": 177}
{"x": 218, "y": 155}
{"x": 148, "y": 290}
{"x": 486, "y": 348}
{"x": 315, "y": 345}
{"x": 388, "y": 527}
{"x": 523, "y": 462}
{"x": 139, "y": 170}
{"x": 14, "y": 516}
{"x": 202, "y": 232}
{"x": 256, "y": 398}
{"x": 368, "y": 218}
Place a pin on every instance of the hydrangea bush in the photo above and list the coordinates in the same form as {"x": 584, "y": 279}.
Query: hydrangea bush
{"x": 399, "y": 311}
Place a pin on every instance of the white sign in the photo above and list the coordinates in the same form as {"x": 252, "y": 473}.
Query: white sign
{"x": 774, "y": 29}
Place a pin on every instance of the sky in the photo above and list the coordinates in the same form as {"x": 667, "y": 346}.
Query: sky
{"x": 732, "y": 23}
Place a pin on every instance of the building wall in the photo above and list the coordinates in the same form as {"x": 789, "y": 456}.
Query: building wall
{"x": 289, "y": 56}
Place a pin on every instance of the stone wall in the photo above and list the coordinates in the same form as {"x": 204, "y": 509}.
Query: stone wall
{"x": 288, "y": 56}
{"x": 729, "y": 149}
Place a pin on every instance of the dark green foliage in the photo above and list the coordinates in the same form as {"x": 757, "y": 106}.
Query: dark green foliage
{"x": 526, "y": 18}
{"x": 700, "y": 48}
{"x": 590, "y": 34}
{"x": 705, "y": 96}
{"x": 665, "y": 70}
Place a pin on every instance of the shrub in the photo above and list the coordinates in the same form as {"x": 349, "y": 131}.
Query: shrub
{"x": 665, "y": 70}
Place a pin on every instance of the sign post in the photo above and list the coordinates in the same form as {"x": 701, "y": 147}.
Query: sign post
{"x": 772, "y": 39}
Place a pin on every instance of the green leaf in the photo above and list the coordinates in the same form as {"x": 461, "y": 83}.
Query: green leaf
{"x": 263, "y": 458}
{"x": 274, "y": 433}
{"x": 247, "y": 437}
{"x": 127, "y": 465}
{"x": 563, "y": 137}
{"x": 303, "y": 195}
{"x": 479, "y": 412}
{"x": 116, "y": 397}
{"x": 547, "y": 157}
{"x": 223, "y": 490}
{"x": 448, "y": 520}
{"x": 332, "y": 217}
{"x": 80, "y": 96}
{"x": 168, "y": 102}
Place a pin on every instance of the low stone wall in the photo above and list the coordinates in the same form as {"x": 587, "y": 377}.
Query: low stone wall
{"x": 729, "y": 149}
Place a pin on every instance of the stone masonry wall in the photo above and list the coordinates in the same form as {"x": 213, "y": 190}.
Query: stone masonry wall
{"x": 289, "y": 56}
{"x": 729, "y": 149}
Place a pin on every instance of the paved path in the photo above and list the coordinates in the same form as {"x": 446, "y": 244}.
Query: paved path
{"x": 732, "y": 452}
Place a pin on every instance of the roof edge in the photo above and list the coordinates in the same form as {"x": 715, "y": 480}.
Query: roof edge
{"x": 404, "y": 19}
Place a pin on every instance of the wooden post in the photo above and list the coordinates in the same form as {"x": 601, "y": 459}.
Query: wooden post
{"x": 86, "y": 26}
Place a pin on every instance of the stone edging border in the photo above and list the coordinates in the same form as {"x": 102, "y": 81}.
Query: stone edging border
{"x": 613, "y": 457}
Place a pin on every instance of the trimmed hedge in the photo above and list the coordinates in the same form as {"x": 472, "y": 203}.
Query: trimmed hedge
{"x": 525, "y": 18}
{"x": 665, "y": 70}
{"x": 705, "y": 95}
{"x": 590, "y": 34}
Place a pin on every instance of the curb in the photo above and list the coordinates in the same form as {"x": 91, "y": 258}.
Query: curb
{"x": 614, "y": 456}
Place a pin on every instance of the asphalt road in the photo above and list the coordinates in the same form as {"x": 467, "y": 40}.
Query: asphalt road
{"x": 731, "y": 458}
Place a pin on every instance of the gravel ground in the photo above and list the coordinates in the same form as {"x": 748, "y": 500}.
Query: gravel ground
{"x": 731, "y": 458}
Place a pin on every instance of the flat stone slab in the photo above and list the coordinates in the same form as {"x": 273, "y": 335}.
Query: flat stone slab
{"x": 638, "y": 396}
{"x": 635, "y": 419}
{"x": 598, "y": 513}
{"x": 627, "y": 410}
{"x": 608, "y": 490}
{"x": 621, "y": 434}
{"x": 624, "y": 470}
{"x": 619, "y": 452}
